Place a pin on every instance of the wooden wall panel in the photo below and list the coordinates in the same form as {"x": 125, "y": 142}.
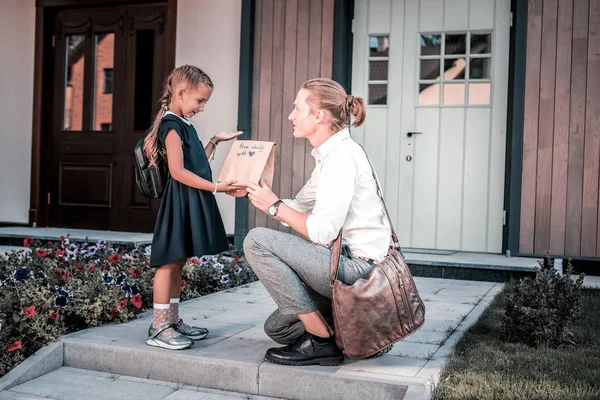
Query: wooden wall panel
{"x": 560, "y": 153}
{"x": 561, "y": 138}
{"x": 293, "y": 43}
{"x": 546, "y": 127}
{"x": 576, "y": 127}
{"x": 591, "y": 163}
{"x": 530, "y": 129}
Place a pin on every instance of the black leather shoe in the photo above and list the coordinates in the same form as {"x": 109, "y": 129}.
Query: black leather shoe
{"x": 307, "y": 351}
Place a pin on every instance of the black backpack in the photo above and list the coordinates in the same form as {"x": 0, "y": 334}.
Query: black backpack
{"x": 150, "y": 179}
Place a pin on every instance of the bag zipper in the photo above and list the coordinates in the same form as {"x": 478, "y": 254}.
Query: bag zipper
{"x": 406, "y": 305}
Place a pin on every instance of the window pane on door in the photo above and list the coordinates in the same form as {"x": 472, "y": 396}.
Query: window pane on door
{"x": 378, "y": 94}
{"x": 481, "y": 44}
{"x": 429, "y": 94}
{"x": 431, "y": 45}
{"x": 480, "y": 68}
{"x": 454, "y": 68}
{"x": 379, "y": 46}
{"x": 103, "y": 96}
{"x": 429, "y": 69}
{"x": 479, "y": 93}
{"x": 454, "y": 93}
{"x": 74, "y": 73}
{"x": 144, "y": 68}
{"x": 378, "y": 70}
{"x": 456, "y": 44}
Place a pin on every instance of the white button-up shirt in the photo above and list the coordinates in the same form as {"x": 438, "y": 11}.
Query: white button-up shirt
{"x": 342, "y": 194}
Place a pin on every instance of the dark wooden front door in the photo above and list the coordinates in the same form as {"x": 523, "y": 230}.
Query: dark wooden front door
{"x": 108, "y": 69}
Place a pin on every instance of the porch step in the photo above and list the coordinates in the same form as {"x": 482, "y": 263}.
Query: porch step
{"x": 14, "y": 235}
{"x": 75, "y": 384}
{"x": 231, "y": 358}
{"x": 468, "y": 266}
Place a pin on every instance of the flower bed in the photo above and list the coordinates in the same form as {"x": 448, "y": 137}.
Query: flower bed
{"x": 61, "y": 287}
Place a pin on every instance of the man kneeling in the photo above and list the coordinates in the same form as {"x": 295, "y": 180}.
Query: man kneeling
{"x": 341, "y": 194}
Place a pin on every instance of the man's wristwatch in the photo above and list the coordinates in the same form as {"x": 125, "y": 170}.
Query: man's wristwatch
{"x": 273, "y": 208}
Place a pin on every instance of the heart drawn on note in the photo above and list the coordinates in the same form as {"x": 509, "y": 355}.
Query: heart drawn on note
{"x": 251, "y": 153}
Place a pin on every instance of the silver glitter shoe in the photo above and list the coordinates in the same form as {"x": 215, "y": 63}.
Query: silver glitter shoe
{"x": 193, "y": 332}
{"x": 178, "y": 342}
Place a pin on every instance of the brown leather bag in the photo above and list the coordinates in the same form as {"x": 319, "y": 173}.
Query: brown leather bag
{"x": 376, "y": 312}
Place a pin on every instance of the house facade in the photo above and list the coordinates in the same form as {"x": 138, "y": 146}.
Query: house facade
{"x": 482, "y": 115}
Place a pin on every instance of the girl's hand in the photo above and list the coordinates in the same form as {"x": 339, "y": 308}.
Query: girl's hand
{"x": 225, "y": 136}
{"x": 227, "y": 186}
{"x": 261, "y": 196}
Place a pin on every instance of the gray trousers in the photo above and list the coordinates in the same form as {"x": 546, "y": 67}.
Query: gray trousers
{"x": 295, "y": 272}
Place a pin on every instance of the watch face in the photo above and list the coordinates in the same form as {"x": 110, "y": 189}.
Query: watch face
{"x": 272, "y": 211}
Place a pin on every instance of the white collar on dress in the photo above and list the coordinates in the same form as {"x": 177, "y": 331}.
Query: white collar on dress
{"x": 178, "y": 116}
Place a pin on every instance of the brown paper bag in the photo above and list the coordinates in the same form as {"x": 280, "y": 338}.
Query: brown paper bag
{"x": 249, "y": 161}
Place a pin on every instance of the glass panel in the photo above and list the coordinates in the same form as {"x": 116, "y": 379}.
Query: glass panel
{"x": 479, "y": 68}
{"x": 379, "y": 46}
{"x": 431, "y": 45}
{"x": 454, "y": 68}
{"x": 74, "y": 72}
{"x": 454, "y": 93}
{"x": 378, "y": 94}
{"x": 479, "y": 93}
{"x": 481, "y": 44}
{"x": 429, "y": 94}
{"x": 103, "y": 97}
{"x": 456, "y": 44}
{"x": 378, "y": 70}
{"x": 430, "y": 69}
{"x": 144, "y": 68}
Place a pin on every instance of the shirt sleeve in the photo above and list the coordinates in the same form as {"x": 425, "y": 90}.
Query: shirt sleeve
{"x": 337, "y": 183}
{"x": 305, "y": 199}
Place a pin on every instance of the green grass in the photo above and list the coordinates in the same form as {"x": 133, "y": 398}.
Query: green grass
{"x": 484, "y": 366}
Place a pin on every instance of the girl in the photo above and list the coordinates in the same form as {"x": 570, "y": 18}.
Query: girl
{"x": 188, "y": 222}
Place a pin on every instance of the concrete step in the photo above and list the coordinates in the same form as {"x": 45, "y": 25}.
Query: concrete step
{"x": 76, "y": 384}
{"x": 231, "y": 358}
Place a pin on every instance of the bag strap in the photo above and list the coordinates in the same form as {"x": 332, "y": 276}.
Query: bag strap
{"x": 336, "y": 246}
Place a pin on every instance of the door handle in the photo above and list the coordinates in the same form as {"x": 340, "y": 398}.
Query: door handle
{"x": 409, "y": 134}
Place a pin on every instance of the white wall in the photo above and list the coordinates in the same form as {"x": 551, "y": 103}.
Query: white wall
{"x": 17, "y": 39}
{"x": 208, "y": 36}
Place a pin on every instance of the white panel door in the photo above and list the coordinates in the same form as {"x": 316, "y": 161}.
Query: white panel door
{"x": 434, "y": 74}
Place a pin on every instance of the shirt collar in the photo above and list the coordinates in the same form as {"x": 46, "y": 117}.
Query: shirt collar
{"x": 330, "y": 144}
{"x": 180, "y": 117}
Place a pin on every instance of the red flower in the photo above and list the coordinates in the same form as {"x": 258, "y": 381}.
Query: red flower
{"x": 65, "y": 276}
{"x": 136, "y": 300}
{"x": 195, "y": 261}
{"x": 41, "y": 253}
{"x": 113, "y": 259}
{"x": 18, "y": 345}
{"x": 78, "y": 267}
{"x": 30, "y": 312}
{"x": 114, "y": 313}
{"x": 28, "y": 241}
{"x": 53, "y": 316}
{"x": 123, "y": 303}
{"x": 62, "y": 239}
{"x": 49, "y": 243}
{"x": 236, "y": 260}
{"x": 182, "y": 283}
{"x": 136, "y": 273}
{"x": 92, "y": 268}
{"x": 60, "y": 252}
{"x": 129, "y": 272}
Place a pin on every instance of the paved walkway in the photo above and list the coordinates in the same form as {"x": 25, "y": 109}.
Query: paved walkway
{"x": 231, "y": 358}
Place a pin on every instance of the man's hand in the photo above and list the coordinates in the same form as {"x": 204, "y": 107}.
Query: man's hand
{"x": 261, "y": 196}
{"x": 238, "y": 193}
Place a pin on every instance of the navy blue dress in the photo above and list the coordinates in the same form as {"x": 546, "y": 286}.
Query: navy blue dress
{"x": 188, "y": 222}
